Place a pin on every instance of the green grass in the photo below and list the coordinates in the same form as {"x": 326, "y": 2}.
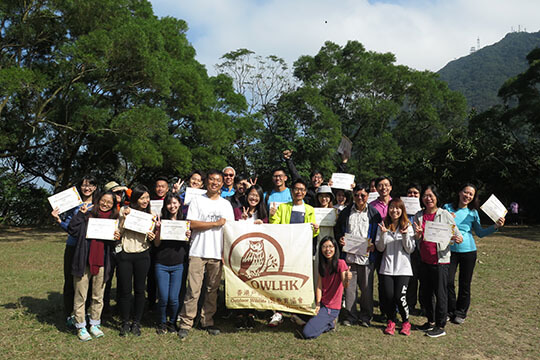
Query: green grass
{"x": 503, "y": 320}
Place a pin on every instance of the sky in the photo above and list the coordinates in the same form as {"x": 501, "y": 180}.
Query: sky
{"x": 423, "y": 34}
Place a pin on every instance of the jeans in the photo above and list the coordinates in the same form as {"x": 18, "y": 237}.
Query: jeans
{"x": 320, "y": 323}
{"x": 466, "y": 262}
{"x": 169, "y": 283}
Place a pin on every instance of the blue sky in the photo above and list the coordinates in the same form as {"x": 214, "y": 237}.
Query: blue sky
{"x": 423, "y": 34}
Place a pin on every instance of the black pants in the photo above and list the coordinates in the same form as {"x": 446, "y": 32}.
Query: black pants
{"x": 434, "y": 279}
{"x": 132, "y": 270}
{"x": 69, "y": 290}
{"x": 151, "y": 284}
{"x": 466, "y": 262}
{"x": 395, "y": 294}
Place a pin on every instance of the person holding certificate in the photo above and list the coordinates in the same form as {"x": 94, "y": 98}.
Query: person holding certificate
{"x": 395, "y": 239}
{"x": 360, "y": 221}
{"x": 465, "y": 210}
{"x": 92, "y": 261}
{"x": 435, "y": 255}
{"x": 133, "y": 259}
{"x": 171, "y": 256}
{"x": 413, "y": 190}
{"x": 87, "y": 188}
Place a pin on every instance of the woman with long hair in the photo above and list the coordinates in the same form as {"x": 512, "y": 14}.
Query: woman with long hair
{"x": 133, "y": 258}
{"x": 171, "y": 258}
{"x": 395, "y": 239}
{"x": 334, "y": 276}
{"x": 92, "y": 264}
{"x": 435, "y": 261}
{"x": 256, "y": 210}
{"x": 463, "y": 255}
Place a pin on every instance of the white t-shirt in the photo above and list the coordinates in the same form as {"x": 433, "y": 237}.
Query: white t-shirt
{"x": 208, "y": 243}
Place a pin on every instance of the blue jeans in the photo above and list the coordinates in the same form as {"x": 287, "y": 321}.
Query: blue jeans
{"x": 169, "y": 282}
{"x": 320, "y": 323}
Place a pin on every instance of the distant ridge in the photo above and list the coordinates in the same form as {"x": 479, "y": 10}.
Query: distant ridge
{"x": 479, "y": 76}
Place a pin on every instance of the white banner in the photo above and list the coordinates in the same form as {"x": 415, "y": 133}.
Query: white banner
{"x": 269, "y": 267}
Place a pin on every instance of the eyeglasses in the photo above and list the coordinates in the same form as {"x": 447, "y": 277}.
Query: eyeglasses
{"x": 228, "y": 175}
{"x": 299, "y": 189}
{"x": 88, "y": 186}
{"x": 327, "y": 247}
{"x": 278, "y": 176}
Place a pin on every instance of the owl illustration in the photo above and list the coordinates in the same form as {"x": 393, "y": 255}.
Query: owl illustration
{"x": 253, "y": 260}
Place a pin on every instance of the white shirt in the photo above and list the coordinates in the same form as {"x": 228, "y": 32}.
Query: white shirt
{"x": 208, "y": 243}
{"x": 396, "y": 260}
{"x": 358, "y": 226}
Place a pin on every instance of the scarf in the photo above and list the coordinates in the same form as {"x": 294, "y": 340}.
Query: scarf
{"x": 96, "y": 257}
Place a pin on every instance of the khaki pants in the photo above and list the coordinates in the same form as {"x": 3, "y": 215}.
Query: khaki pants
{"x": 81, "y": 289}
{"x": 197, "y": 268}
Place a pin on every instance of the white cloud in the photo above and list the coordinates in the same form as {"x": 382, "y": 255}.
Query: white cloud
{"x": 422, "y": 34}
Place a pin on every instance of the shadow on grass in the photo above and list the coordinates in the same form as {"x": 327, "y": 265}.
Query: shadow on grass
{"x": 17, "y": 234}
{"x": 46, "y": 311}
{"x": 525, "y": 232}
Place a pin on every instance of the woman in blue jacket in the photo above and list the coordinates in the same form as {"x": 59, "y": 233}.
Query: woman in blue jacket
{"x": 463, "y": 255}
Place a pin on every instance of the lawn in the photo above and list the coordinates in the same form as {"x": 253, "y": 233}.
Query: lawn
{"x": 503, "y": 320}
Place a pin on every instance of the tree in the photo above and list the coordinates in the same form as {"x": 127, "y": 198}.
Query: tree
{"x": 106, "y": 85}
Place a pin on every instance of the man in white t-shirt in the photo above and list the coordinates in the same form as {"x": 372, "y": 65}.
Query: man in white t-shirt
{"x": 207, "y": 215}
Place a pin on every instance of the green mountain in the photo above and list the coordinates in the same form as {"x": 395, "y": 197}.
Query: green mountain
{"x": 479, "y": 75}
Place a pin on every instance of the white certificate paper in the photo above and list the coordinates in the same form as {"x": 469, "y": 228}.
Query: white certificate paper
{"x": 356, "y": 245}
{"x": 191, "y": 193}
{"x": 494, "y": 208}
{"x": 342, "y": 181}
{"x": 325, "y": 216}
{"x": 372, "y": 196}
{"x": 438, "y": 232}
{"x": 65, "y": 200}
{"x": 155, "y": 206}
{"x": 345, "y": 147}
{"x": 412, "y": 204}
{"x": 101, "y": 229}
{"x": 139, "y": 221}
{"x": 174, "y": 230}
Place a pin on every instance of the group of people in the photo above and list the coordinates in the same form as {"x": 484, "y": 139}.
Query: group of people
{"x": 187, "y": 274}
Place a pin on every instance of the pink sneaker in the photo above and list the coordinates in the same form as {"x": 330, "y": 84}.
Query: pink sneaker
{"x": 390, "y": 328}
{"x": 405, "y": 328}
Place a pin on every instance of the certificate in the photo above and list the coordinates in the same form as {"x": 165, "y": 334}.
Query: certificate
{"x": 174, "y": 230}
{"x": 191, "y": 193}
{"x": 342, "y": 181}
{"x": 437, "y": 232}
{"x": 139, "y": 221}
{"x": 412, "y": 204}
{"x": 155, "y": 206}
{"x": 372, "y": 196}
{"x": 101, "y": 229}
{"x": 356, "y": 245}
{"x": 494, "y": 208}
{"x": 345, "y": 147}
{"x": 325, "y": 216}
{"x": 65, "y": 200}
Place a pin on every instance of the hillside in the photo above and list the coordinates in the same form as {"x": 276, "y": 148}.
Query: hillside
{"x": 479, "y": 75}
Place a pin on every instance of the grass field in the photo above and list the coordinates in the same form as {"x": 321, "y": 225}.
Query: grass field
{"x": 503, "y": 320}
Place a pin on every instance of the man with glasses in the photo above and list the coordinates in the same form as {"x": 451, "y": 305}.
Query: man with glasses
{"x": 384, "y": 188}
{"x": 228, "y": 182}
{"x": 359, "y": 219}
{"x": 294, "y": 212}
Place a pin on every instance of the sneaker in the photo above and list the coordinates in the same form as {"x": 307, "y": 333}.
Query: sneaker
{"x": 297, "y": 320}
{"x": 96, "y": 332}
{"x": 436, "y": 332}
{"x": 458, "y": 320}
{"x": 125, "y": 329}
{"x": 136, "y": 329}
{"x": 275, "y": 320}
{"x": 171, "y": 327}
{"x": 390, "y": 328}
{"x": 365, "y": 323}
{"x": 346, "y": 323}
{"x": 83, "y": 334}
{"x": 405, "y": 328}
{"x": 212, "y": 330}
{"x": 70, "y": 322}
{"x": 161, "y": 329}
{"x": 182, "y": 333}
{"x": 426, "y": 327}
{"x": 240, "y": 323}
{"x": 250, "y": 322}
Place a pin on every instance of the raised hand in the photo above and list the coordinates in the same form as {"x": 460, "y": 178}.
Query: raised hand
{"x": 84, "y": 208}
{"x": 342, "y": 241}
{"x": 382, "y": 227}
{"x": 55, "y": 215}
{"x": 177, "y": 186}
{"x": 287, "y": 154}
{"x": 417, "y": 230}
{"x": 253, "y": 182}
{"x": 245, "y": 214}
{"x": 500, "y": 223}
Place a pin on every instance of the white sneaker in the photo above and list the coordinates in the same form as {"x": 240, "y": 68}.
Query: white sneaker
{"x": 297, "y": 320}
{"x": 95, "y": 330}
{"x": 275, "y": 320}
{"x": 83, "y": 335}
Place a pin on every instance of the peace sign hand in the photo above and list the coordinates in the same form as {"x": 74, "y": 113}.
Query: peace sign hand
{"x": 177, "y": 186}
{"x": 382, "y": 227}
{"x": 253, "y": 182}
{"x": 245, "y": 214}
